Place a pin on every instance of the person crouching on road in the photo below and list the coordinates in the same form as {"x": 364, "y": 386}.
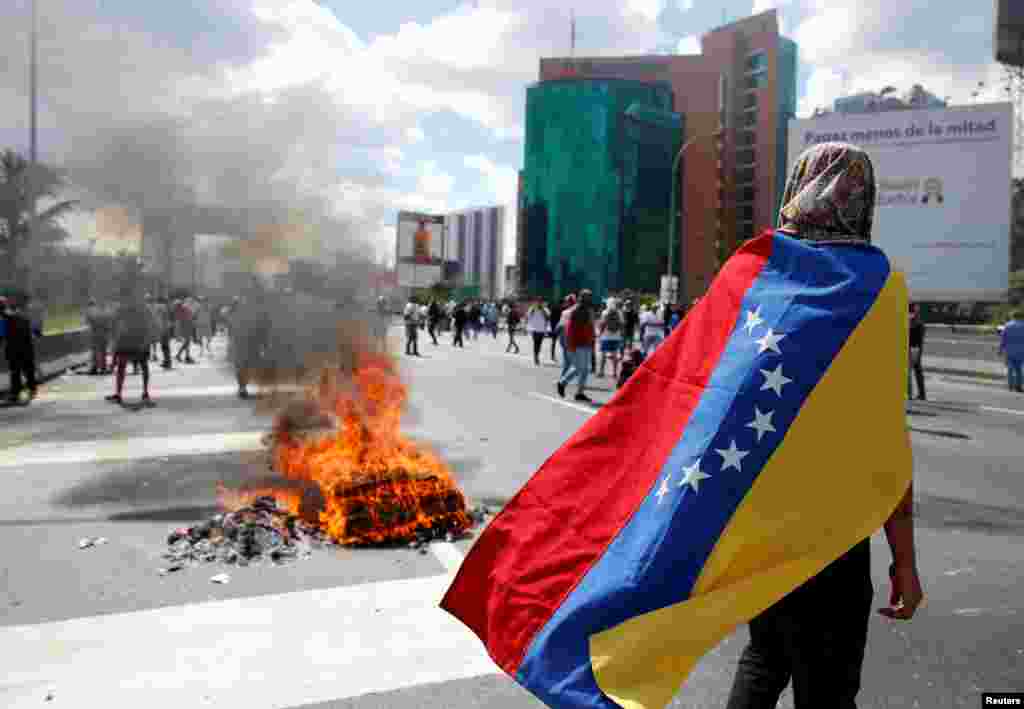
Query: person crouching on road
{"x": 17, "y": 339}
{"x": 1011, "y": 346}
{"x": 134, "y": 327}
{"x": 579, "y": 346}
{"x": 412, "y": 329}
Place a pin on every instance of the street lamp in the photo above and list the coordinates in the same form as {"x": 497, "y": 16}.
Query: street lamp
{"x": 673, "y": 217}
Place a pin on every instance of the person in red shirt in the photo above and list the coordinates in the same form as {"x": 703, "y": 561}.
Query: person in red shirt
{"x": 579, "y": 346}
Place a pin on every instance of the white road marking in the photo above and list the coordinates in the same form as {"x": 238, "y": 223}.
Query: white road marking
{"x": 103, "y": 450}
{"x": 266, "y": 651}
{"x": 448, "y": 554}
{"x": 999, "y": 410}
{"x": 562, "y": 402}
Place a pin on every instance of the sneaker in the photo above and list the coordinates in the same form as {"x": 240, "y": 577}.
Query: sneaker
{"x": 561, "y": 389}
{"x": 243, "y": 394}
{"x": 114, "y": 399}
{"x": 147, "y": 402}
{"x": 584, "y": 398}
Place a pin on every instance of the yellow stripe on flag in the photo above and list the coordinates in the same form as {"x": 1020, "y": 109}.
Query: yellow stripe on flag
{"x": 844, "y": 465}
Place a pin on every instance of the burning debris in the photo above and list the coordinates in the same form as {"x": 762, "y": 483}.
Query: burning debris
{"x": 258, "y": 532}
{"x": 372, "y": 484}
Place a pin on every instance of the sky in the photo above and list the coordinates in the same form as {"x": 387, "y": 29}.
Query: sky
{"x": 365, "y": 108}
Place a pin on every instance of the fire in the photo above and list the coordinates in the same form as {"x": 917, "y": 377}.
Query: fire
{"x": 375, "y": 485}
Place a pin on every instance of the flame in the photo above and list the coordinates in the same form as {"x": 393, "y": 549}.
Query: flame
{"x": 375, "y": 484}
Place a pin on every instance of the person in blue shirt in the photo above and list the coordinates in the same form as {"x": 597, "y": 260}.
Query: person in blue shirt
{"x": 1011, "y": 345}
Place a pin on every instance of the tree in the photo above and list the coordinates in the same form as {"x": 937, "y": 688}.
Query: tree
{"x": 19, "y": 180}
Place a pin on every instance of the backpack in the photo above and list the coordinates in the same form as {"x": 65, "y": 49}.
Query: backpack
{"x": 613, "y": 322}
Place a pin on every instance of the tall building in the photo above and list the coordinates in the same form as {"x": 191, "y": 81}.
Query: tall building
{"x": 474, "y": 250}
{"x": 596, "y": 185}
{"x": 737, "y": 97}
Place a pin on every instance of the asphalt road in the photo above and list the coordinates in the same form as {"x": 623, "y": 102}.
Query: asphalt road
{"x": 360, "y": 628}
{"x": 962, "y": 345}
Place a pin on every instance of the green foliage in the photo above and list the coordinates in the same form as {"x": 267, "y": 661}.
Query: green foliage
{"x": 19, "y": 182}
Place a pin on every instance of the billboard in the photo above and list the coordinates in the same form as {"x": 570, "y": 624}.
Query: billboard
{"x": 420, "y": 238}
{"x": 943, "y": 214}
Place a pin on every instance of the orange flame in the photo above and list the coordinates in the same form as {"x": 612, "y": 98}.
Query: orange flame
{"x": 377, "y": 486}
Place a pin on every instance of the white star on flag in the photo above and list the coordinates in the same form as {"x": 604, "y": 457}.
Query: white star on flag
{"x": 753, "y": 320}
{"x": 732, "y": 456}
{"x": 663, "y": 490}
{"x": 762, "y": 423}
{"x": 770, "y": 341}
{"x": 774, "y": 380}
{"x": 692, "y": 475}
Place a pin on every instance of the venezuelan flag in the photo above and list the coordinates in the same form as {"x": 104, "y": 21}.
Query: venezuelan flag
{"x": 763, "y": 440}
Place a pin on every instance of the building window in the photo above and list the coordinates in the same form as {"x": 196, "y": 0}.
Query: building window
{"x": 746, "y": 194}
{"x": 745, "y": 230}
{"x": 757, "y": 62}
{"x": 746, "y": 157}
{"x": 745, "y": 139}
{"x": 756, "y": 81}
{"x": 750, "y": 101}
{"x": 750, "y": 118}
{"x": 747, "y": 213}
{"x": 744, "y": 175}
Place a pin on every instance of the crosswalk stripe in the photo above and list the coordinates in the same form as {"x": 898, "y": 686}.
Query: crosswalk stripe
{"x": 260, "y": 652}
{"x": 78, "y": 452}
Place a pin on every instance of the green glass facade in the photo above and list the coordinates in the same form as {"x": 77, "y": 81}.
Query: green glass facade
{"x": 596, "y": 185}
{"x": 787, "y": 109}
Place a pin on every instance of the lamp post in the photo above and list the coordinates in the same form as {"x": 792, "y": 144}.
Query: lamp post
{"x": 673, "y": 217}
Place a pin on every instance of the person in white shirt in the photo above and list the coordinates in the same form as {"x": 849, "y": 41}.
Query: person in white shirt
{"x": 653, "y": 328}
{"x": 609, "y": 329}
{"x": 412, "y": 329}
{"x": 537, "y": 325}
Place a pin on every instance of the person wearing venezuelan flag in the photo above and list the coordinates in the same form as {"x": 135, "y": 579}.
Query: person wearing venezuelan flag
{"x": 816, "y": 635}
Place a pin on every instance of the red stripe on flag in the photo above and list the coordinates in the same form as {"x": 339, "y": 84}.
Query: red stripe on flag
{"x": 535, "y": 552}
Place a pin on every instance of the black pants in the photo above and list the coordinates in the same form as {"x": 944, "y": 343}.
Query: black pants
{"x": 538, "y": 343}
{"x": 22, "y": 366}
{"x": 457, "y": 341}
{"x": 432, "y": 330}
{"x": 815, "y": 637}
{"x": 512, "y": 341}
{"x": 412, "y": 339}
{"x": 918, "y": 372}
{"x": 554, "y": 341}
{"x": 165, "y": 348}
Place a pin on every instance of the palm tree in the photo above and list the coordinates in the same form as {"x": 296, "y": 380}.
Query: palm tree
{"x": 19, "y": 179}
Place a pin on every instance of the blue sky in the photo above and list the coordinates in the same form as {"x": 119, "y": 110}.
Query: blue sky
{"x": 378, "y": 106}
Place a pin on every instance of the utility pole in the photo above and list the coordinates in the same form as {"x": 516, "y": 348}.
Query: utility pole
{"x": 33, "y": 154}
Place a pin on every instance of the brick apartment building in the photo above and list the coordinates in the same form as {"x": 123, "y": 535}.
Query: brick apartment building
{"x": 737, "y": 97}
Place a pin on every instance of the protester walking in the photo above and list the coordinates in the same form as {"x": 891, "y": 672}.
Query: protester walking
{"x": 99, "y": 335}
{"x": 816, "y": 635}
{"x": 916, "y": 353}
{"x": 652, "y": 329}
{"x": 512, "y": 318}
{"x": 458, "y": 325}
{"x": 204, "y": 327}
{"x": 554, "y": 324}
{"x": 433, "y": 320}
{"x": 609, "y": 330}
{"x": 630, "y": 320}
{"x": 491, "y": 317}
{"x": 1011, "y": 346}
{"x": 579, "y": 346}
{"x": 537, "y": 323}
{"x": 18, "y": 342}
{"x": 183, "y": 317}
{"x": 411, "y": 316}
{"x": 133, "y": 330}
{"x": 563, "y": 322}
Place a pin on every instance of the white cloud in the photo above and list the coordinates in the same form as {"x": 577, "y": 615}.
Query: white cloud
{"x": 690, "y": 44}
{"x": 824, "y": 86}
{"x": 648, "y": 9}
{"x": 502, "y": 181}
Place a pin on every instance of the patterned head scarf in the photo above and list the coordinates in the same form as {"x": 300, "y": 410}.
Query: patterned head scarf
{"x": 830, "y": 195}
